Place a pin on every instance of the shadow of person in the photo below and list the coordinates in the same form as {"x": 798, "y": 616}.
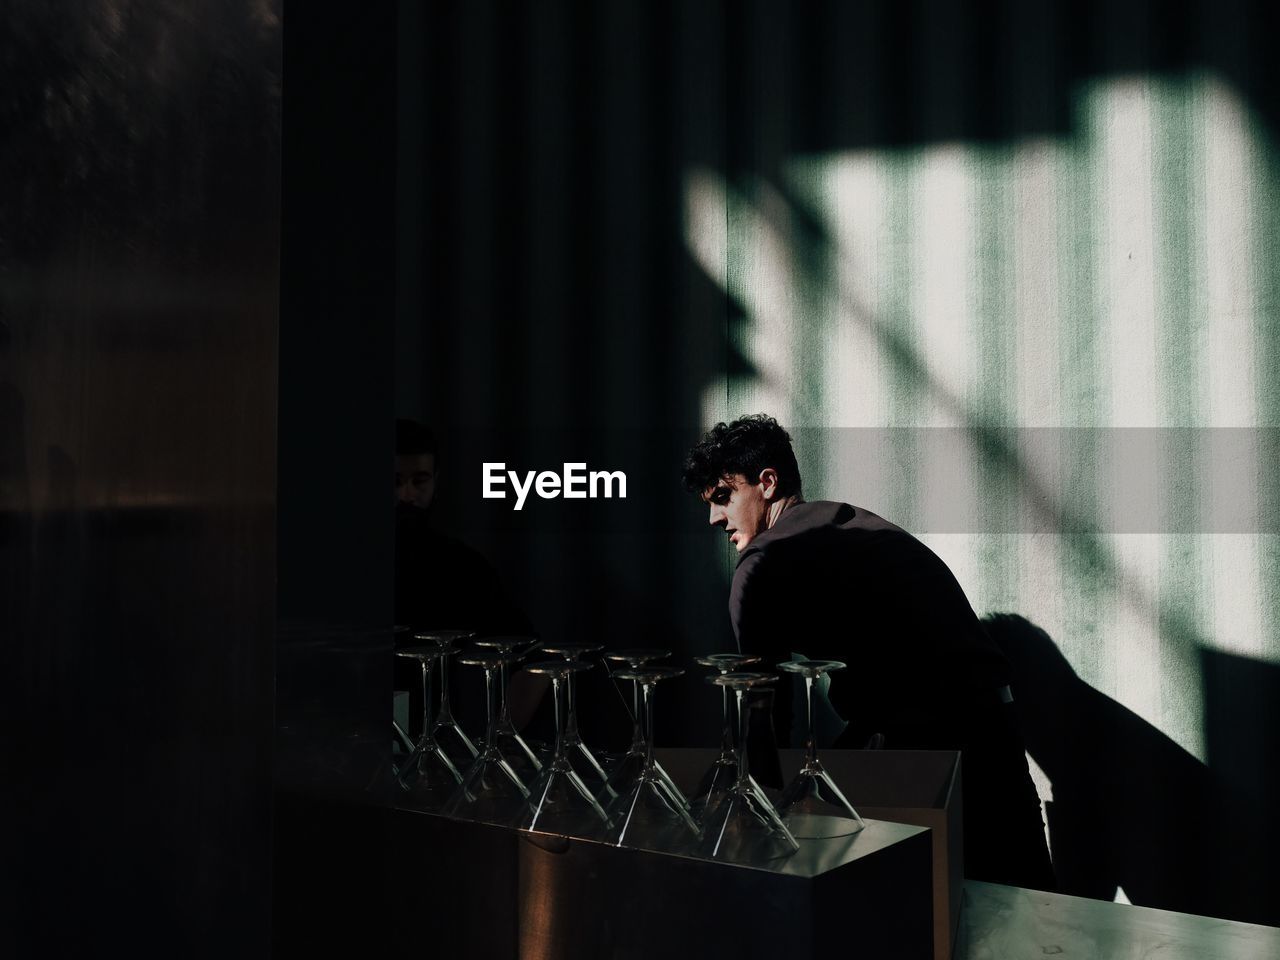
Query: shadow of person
{"x": 1242, "y": 744}
{"x": 1130, "y": 806}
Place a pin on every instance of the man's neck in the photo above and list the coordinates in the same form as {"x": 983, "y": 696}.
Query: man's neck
{"x": 776, "y": 509}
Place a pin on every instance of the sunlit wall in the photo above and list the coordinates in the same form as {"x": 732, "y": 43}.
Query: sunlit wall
{"x": 1049, "y": 357}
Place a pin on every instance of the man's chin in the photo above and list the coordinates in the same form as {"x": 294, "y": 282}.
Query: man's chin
{"x": 409, "y": 515}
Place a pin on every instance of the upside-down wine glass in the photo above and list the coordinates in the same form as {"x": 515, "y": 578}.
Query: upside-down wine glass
{"x": 448, "y": 732}
{"x": 428, "y": 775}
{"x": 648, "y": 815}
{"x": 510, "y": 743}
{"x": 724, "y": 770}
{"x": 559, "y": 801}
{"x": 627, "y": 771}
{"x": 812, "y": 805}
{"x": 491, "y": 790}
{"x": 742, "y": 825}
{"x": 581, "y": 758}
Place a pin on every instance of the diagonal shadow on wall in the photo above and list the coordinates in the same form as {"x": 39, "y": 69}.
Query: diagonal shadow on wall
{"x": 1131, "y": 808}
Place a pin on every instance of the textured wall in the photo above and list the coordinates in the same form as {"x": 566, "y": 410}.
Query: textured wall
{"x": 1052, "y": 357}
{"x": 1007, "y": 269}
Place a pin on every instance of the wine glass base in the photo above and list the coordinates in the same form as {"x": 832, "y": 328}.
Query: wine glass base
{"x": 743, "y": 827}
{"x": 490, "y": 792}
{"x": 429, "y": 777}
{"x": 628, "y": 772}
{"x": 816, "y": 826}
{"x": 813, "y": 807}
{"x": 648, "y": 816}
{"x": 457, "y": 746}
{"x": 716, "y": 782}
{"x": 585, "y": 764}
{"x": 559, "y": 802}
{"x": 670, "y": 785}
{"x": 519, "y": 754}
{"x": 623, "y": 776}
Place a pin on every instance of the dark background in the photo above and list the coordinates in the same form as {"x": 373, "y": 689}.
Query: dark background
{"x": 139, "y": 305}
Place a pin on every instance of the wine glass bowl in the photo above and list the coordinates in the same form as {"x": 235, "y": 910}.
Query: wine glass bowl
{"x": 727, "y": 662}
{"x": 636, "y": 657}
{"x": 570, "y": 651}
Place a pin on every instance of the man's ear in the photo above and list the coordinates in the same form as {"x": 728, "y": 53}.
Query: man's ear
{"x": 768, "y": 483}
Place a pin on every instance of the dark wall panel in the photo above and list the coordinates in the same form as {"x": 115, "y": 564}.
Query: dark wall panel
{"x": 139, "y": 238}
{"x": 336, "y": 467}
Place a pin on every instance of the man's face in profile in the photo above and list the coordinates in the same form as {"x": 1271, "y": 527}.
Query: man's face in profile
{"x": 416, "y": 479}
{"x": 739, "y": 506}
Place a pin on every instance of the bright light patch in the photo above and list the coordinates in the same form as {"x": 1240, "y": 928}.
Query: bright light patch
{"x": 1122, "y": 294}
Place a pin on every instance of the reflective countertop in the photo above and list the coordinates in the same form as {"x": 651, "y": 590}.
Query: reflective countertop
{"x": 1004, "y": 923}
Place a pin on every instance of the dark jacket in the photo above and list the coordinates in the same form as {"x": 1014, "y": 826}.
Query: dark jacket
{"x": 836, "y": 582}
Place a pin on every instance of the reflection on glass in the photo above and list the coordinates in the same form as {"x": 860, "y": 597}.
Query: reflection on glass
{"x": 812, "y": 805}
{"x": 581, "y": 758}
{"x": 448, "y": 732}
{"x": 721, "y": 775}
{"x": 559, "y": 801}
{"x": 491, "y": 790}
{"x": 627, "y": 771}
{"x": 648, "y": 814}
{"x": 428, "y": 775}
{"x": 742, "y": 825}
{"x": 508, "y": 740}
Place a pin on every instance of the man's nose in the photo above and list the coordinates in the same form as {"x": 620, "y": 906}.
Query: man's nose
{"x": 404, "y": 492}
{"x": 718, "y": 515}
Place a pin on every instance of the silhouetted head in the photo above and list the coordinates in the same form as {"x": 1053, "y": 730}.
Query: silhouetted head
{"x": 741, "y": 470}
{"x": 416, "y": 451}
{"x": 1037, "y": 663}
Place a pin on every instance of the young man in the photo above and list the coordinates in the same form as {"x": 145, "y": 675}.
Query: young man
{"x": 833, "y": 581}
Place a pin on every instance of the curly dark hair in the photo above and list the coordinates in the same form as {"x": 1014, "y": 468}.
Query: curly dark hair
{"x": 413, "y": 438}
{"x": 748, "y": 445}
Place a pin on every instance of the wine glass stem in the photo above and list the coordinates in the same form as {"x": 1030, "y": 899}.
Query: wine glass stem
{"x": 444, "y": 686}
{"x": 571, "y": 714}
{"x": 555, "y": 694}
{"x": 647, "y": 693}
{"x": 491, "y": 703}
{"x": 637, "y": 732}
{"x": 811, "y": 741}
{"x": 744, "y": 719}
{"x": 503, "y": 714}
{"x": 426, "y": 700}
{"x": 726, "y": 735}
